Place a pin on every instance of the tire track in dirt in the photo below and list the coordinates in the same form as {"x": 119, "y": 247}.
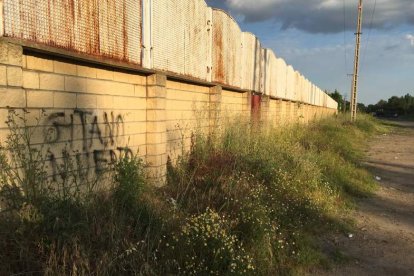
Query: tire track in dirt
{"x": 384, "y": 241}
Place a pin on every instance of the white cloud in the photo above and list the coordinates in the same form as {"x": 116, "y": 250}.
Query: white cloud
{"x": 410, "y": 38}
{"x": 322, "y": 16}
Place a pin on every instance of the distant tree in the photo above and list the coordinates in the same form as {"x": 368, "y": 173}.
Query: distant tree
{"x": 338, "y": 98}
{"x": 361, "y": 108}
{"x": 394, "y": 105}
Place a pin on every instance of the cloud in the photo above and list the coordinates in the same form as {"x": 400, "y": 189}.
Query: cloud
{"x": 410, "y": 38}
{"x": 321, "y": 16}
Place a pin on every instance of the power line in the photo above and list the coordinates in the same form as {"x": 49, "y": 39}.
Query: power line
{"x": 345, "y": 52}
{"x": 369, "y": 33}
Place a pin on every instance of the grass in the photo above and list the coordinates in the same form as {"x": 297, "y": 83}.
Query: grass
{"x": 243, "y": 201}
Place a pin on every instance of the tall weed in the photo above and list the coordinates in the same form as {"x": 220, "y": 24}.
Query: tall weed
{"x": 243, "y": 201}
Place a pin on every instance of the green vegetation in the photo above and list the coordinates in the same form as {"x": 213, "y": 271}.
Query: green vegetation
{"x": 402, "y": 106}
{"x": 241, "y": 202}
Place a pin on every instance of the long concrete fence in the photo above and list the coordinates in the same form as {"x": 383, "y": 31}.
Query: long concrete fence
{"x": 109, "y": 78}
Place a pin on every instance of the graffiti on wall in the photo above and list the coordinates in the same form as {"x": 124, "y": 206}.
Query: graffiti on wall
{"x": 92, "y": 139}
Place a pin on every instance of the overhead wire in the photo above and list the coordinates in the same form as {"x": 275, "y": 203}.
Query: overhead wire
{"x": 369, "y": 33}
{"x": 345, "y": 52}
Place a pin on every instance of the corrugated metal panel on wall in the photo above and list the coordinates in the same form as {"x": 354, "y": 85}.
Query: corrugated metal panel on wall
{"x": 281, "y": 78}
{"x": 197, "y": 40}
{"x": 227, "y": 49}
{"x": 270, "y": 73}
{"x": 290, "y": 83}
{"x": 248, "y": 44}
{"x": 181, "y": 40}
{"x": 251, "y": 63}
{"x": 308, "y": 92}
{"x": 110, "y": 29}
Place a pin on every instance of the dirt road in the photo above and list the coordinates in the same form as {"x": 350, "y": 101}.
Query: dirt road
{"x": 384, "y": 241}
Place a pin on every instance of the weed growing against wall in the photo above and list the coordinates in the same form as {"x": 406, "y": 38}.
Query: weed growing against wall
{"x": 243, "y": 201}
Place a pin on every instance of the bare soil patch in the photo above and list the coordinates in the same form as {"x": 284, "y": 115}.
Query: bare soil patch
{"x": 384, "y": 241}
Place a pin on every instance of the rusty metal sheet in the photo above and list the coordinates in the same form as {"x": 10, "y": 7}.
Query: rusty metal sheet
{"x": 182, "y": 37}
{"x": 227, "y": 49}
{"x": 110, "y": 29}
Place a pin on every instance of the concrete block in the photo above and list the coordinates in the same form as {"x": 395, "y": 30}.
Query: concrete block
{"x": 135, "y": 128}
{"x": 52, "y": 82}
{"x": 4, "y": 52}
{"x": 138, "y": 79}
{"x": 86, "y": 101}
{"x": 122, "y": 89}
{"x": 121, "y": 102}
{"x": 156, "y": 150}
{"x": 85, "y": 71}
{"x": 139, "y": 115}
{"x": 156, "y": 160}
{"x": 14, "y": 76}
{"x": 3, "y": 75}
{"x": 156, "y": 103}
{"x": 173, "y": 85}
{"x": 155, "y": 115}
{"x": 4, "y": 113}
{"x": 140, "y": 91}
{"x": 64, "y": 68}
{"x": 40, "y": 64}
{"x": 139, "y": 139}
{"x": 98, "y": 86}
{"x": 64, "y": 100}
{"x": 156, "y": 138}
{"x": 156, "y": 92}
{"x": 75, "y": 84}
{"x": 12, "y": 97}
{"x": 121, "y": 77}
{"x": 105, "y": 102}
{"x": 15, "y": 54}
{"x": 159, "y": 127}
{"x": 137, "y": 103}
{"x": 104, "y": 74}
{"x": 157, "y": 80}
{"x": 31, "y": 80}
{"x": 40, "y": 99}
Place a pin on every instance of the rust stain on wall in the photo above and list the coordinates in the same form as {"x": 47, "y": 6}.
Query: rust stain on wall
{"x": 95, "y": 27}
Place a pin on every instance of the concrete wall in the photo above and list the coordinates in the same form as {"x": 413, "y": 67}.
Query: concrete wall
{"x": 98, "y": 112}
{"x": 177, "y": 37}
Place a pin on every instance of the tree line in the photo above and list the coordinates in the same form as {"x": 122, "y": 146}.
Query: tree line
{"x": 394, "y": 106}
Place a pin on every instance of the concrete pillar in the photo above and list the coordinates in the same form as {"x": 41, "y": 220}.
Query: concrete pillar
{"x": 156, "y": 129}
{"x": 278, "y": 118}
{"x": 264, "y": 110}
{"x": 214, "y": 108}
{"x": 11, "y": 76}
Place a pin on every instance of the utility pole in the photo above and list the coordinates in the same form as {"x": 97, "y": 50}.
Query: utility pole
{"x": 354, "y": 93}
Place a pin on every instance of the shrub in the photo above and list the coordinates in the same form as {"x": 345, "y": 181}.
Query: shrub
{"x": 242, "y": 201}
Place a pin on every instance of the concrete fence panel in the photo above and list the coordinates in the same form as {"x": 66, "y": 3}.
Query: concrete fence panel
{"x": 251, "y": 62}
{"x": 281, "y": 69}
{"x": 182, "y": 37}
{"x": 227, "y": 49}
{"x": 110, "y": 29}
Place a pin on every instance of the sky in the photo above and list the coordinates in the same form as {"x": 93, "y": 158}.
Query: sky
{"x": 317, "y": 38}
